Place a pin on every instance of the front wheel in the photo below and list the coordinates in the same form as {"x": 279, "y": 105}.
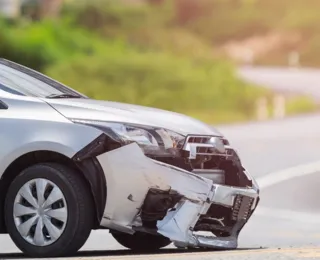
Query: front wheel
{"x": 48, "y": 211}
{"x": 141, "y": 241}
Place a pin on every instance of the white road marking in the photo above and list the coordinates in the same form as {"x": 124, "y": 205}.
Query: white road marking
{"x": 282, "y": 176}
{"x": 288, "y": 174}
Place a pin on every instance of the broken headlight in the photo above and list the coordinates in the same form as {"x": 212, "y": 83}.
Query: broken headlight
{"x": 152, "y": 140}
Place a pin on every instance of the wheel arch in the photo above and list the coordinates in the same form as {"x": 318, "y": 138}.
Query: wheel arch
{"x": 89, "y": 168}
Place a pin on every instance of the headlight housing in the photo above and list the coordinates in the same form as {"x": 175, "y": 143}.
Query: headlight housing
{"x": 152, "y": 140}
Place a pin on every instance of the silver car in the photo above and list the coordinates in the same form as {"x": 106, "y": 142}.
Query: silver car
{"x": 70, "y": 164}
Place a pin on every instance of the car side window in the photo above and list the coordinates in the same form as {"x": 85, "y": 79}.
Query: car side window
{"x": 10, "y": 90}
{"x": 25, "y": 85}
{"x": 30, "y": 82}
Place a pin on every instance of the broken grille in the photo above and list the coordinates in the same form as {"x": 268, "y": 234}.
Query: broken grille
{"x": 242, "y": 207}
{"x": 209, "y": 150}
{"x": 207, "y": 145}
{"x": 204, "y": 139}
{"x": 200, "y": 140}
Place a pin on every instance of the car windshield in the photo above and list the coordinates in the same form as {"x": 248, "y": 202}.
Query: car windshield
{"x": 20, "y": 80}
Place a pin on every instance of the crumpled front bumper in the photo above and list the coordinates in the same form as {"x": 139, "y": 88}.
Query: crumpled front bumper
{"x": 180, "y": 228}
{"x": 130, "y": 176}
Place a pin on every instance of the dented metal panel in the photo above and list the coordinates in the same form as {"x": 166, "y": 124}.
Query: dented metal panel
{"x": 130, "y": 175}
{"x": 128, "y": 183}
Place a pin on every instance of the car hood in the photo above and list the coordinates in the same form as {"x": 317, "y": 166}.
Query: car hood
{"x": 91, "y": 109}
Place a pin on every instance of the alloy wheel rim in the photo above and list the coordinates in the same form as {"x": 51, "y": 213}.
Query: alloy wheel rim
{"x": 40, "y": 212}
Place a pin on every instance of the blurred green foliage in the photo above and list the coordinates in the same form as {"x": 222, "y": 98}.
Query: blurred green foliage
{"x": 41, "y": 44}
{"x": 232, "y": 20}
{"x": 160, "y": 80}
{"x": 144, "y": 27}
{"x": 298, "y": 105}
{"x": 138, "y": 54}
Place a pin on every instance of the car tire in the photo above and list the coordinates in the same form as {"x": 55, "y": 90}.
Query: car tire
{"x": 59, "y": 229}
{"x": 141, "y": 241}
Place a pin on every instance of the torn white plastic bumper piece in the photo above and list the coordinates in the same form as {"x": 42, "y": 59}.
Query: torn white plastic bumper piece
{"x": 179, "y": 228}
{"x": 130, "y": 175}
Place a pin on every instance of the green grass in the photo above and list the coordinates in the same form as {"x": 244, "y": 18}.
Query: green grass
{"x": 300, "y": 105}
{"x": 160, "y": 80}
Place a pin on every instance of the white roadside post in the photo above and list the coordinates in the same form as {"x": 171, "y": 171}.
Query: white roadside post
{"x": 249, "y": 56}
{"x": 262, "y": 109}
{"x": 279, "y": 106}
{"x": 294, "y": 59}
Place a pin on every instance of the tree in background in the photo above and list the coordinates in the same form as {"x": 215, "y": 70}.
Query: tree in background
{"x": 50, "y": 8}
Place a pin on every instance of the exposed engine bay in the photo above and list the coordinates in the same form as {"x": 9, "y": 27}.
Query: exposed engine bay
{"x": 199, "y": 184}
{"x": 215, "y": 160}
{"x": 222, "y": 166}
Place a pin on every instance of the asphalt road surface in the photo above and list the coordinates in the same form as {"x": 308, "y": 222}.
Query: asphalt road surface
{"x": 287, "y": 222}
{"x": 298, "y": 80}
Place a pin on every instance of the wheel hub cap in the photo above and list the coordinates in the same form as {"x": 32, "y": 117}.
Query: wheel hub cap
{"x": 40, "y": 212}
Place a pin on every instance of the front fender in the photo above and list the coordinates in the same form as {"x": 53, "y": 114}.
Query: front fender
{"x": 19, "y": 137}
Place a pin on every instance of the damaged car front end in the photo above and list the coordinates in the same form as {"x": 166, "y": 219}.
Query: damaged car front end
{"x": 172, "y": 185}
{"x": 149, "y": 176}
